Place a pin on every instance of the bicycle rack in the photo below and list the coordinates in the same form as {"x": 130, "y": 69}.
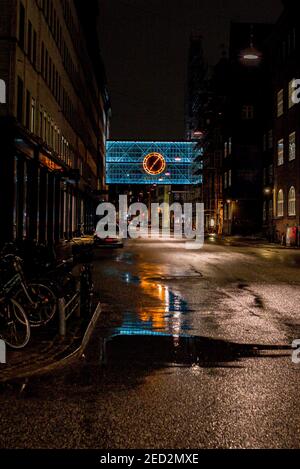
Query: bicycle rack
{"x": 79, "y": 303}
{"x": 65, "y": 310}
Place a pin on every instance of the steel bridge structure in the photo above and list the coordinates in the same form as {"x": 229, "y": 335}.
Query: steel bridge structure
{"x": 126, "y": 162}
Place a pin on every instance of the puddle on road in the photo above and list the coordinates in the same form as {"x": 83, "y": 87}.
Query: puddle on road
{"x": 157, "y": 350}
{"x": 161, "y": 309}
{"x": 170, "y": 317}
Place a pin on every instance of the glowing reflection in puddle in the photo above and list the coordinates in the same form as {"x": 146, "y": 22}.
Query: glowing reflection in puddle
{"x": 169, "y": 318}
{"x": 167, "y": 313}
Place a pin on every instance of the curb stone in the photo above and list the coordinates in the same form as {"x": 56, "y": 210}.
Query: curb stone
{"x": 64, "y": 360}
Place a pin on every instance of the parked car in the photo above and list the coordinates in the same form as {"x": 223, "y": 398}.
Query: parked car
{"x": 108, "y": 241}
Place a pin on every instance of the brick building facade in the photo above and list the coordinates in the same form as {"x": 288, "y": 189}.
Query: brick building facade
{"x": 284, "y": 47}
{"x": 54, "y": 119}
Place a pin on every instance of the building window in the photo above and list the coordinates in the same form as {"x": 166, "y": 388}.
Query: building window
{"x": 270, "y": 209}
{"x": 225, "y": 211}
{"x": 41, "y": 124}
{"x": 265, "y": 211}
{"x": 43, "y": 60}
{"x": 34, "y": 48}
{"x": 289, "y": 43}
{"x": 270, "y": 139}
{"x": 280, "y": 103}
{"x": 247, "y": 112}
{"x": 283, "y": 50}
{"x": 229, "y": 146}
{"x": 50, "y": 73}
{"x": 32, "y": 121}
{"x": 46, "y": 65}
{"x": 29, "y": 41}
{"x": 294, "y": 38}
{"x": 225, "y": 180}
{"x": 229, "y": 178}
{"x": 292, "y": 146}
{"x": 280, "y": 203}
{"x": 28, "y": 109}
{"x": 45, "y": 128}
{"x": 280, "y": 152}
{"x": 47, "y": 9}
{"x": 265, "y": 176}
{"x": 225, "y": 149}
{"x": 292, "y": 202}
{"x": 291, "y": 92}
{"x": 271, "y": 171}
{"x": 22, "y": 26}
{"x": 20, "y": 97}
{"x": 265, "y": 142}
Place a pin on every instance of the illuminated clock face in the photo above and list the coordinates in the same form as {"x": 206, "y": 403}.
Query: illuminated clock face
{"x": 154, "y": 163}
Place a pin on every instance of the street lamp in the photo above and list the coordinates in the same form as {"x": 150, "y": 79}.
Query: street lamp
{"x": 267, "y": 190}
{"x": 251, "y": 56}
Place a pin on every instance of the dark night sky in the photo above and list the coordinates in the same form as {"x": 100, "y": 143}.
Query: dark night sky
{"x": 145, "y": 44}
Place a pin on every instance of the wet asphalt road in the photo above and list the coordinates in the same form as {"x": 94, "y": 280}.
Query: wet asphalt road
{"x": 193, "y": 350}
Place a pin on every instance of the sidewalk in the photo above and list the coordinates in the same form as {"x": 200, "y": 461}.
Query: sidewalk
{"x": 47, "y": 350}
{"x": 67, "y": 250}
{"x": 252, "y": 241}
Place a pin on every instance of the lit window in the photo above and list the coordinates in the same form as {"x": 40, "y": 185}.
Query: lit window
{"x": 291, "y": 92}
{"x": 247, "y": 112}
{"x": 280, "y": 203}
{"x": 280, "y": 152}
{"x": 292, "y": 202}
{"x": 292, "y": 146}
{"x": 280, "y": 103}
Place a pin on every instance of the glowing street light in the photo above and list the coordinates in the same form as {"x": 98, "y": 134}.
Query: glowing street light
{"x": 251, "y": 56}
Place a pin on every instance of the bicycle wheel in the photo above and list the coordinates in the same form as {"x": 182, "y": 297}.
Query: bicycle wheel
{"x": 15, "y": 327}
{"x": 41, "y": 306}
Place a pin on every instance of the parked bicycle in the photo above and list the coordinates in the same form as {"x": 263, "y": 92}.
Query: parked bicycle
{"x": 14, "y": 324}
{"x": 37, "y": 299}
{"x": 40, "y": 262}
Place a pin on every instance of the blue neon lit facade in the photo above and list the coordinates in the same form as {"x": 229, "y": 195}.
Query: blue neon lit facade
{"x": 124, "y": 162}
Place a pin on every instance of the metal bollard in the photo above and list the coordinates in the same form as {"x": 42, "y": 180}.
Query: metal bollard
{"x": 62, "y": 316}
